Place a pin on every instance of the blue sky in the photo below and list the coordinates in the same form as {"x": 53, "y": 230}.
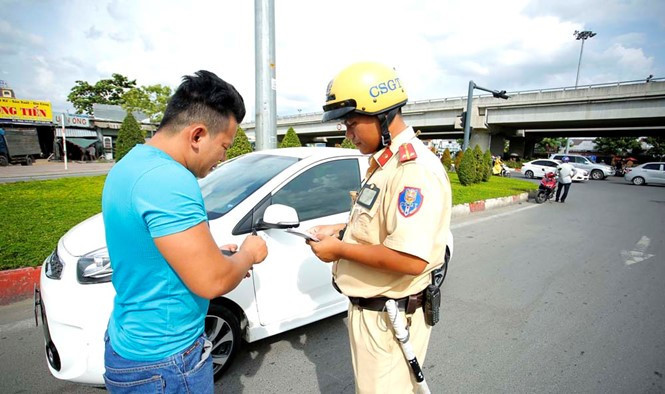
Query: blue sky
{"x": 437, "y": 46}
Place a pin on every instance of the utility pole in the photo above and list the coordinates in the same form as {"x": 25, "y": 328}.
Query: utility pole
{"x": 266, "y": 84}
{"x": 466, "y": 115}
{"x": 579, "y": 35}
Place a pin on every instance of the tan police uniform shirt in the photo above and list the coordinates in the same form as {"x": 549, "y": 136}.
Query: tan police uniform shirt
{"x": 419, "y": 228}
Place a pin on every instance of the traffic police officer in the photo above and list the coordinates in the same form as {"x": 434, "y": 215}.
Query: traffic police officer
{"x": 398, "y": 228}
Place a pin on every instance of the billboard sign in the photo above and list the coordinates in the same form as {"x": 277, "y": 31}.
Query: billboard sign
{"x": 25, "y": 111}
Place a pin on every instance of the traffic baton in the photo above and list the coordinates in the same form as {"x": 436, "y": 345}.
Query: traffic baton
{"x": 402, "y": 336}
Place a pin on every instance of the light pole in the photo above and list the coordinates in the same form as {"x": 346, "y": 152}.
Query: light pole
{"x": 579, "y": 35}
{"x": 466, "y": 115}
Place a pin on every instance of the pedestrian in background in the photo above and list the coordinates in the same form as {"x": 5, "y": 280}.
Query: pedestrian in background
{"x": 398, "y": 228}
{"x": 566, "y": 172}
{"x": 166, "y": 265}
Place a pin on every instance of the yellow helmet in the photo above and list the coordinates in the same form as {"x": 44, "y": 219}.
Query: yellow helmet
{"x": 365, "y": 88}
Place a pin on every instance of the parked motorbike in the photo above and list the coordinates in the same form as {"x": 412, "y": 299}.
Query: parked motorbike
{"x": 547, "y": 188}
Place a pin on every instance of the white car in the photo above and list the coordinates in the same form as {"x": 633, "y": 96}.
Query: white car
{"x": 538, "y": 169}
{"x": 289, "y": 289}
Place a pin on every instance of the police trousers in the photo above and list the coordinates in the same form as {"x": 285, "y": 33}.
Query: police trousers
{"x": 379, "y": 365}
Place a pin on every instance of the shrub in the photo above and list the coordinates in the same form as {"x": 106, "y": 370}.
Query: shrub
{"x": 290, "y": 140}
{"x": 487, "y": 160}
{"x": 480, "y": 163}
{"x": 446, "y": 160}
{"x": 129, "y": 135}
{"x": 241, "y": 145}
{"x": 467, "y": 168}
{"x": 348, "y": 144}
{"x": 458, "y": 159}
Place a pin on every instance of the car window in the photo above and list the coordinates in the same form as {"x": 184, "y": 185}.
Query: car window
{"x": 550, "y": 164}
{"x": 652, "y": 166}
{"x": 322, "y": 190}
{"x": 233, "y": 181}
{"x": 539, "y": 163}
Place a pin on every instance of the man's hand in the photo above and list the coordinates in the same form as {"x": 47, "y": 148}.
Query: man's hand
{"x": 256, "y": 247}
{"x": 328, "y": 247}
{"x": 230, "y": 247}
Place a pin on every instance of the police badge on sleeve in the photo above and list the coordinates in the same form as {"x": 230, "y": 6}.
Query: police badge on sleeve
{"x": 410, "y": 201}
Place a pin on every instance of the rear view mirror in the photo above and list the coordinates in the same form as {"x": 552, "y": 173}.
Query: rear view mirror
{"x": 280, "y": 216}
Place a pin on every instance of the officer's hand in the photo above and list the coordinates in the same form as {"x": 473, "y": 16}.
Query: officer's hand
{"x": 326, "y": 229}
{"x": 327, "y": 248}
{"x": 256, "y": 247}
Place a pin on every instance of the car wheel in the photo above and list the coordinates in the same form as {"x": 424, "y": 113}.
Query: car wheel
{"x": 528, "y": 174}
{"x": 597, "y": 175}
{"x": 638, "y": 180}
{"x": 4, "y": 162}
{"x": 223, "y": 330}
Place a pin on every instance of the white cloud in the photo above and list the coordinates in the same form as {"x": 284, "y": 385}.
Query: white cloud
{"x": 437, "y": 46}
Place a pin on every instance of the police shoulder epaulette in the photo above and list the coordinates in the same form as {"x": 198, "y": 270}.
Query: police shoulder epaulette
{"x": 407, "y": 153}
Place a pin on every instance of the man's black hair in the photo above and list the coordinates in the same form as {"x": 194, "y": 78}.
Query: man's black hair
{"x": 204, "y": 98}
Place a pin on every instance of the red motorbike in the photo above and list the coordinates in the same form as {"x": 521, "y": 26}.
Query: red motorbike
{"x": 547, "y": 188}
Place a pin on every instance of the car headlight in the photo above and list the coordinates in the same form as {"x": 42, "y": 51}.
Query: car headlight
{"x": 94, "y": 267}
{"x": 53, "y": 266}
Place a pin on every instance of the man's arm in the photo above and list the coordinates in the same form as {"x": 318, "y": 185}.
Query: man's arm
{"x": 198, "y": 261}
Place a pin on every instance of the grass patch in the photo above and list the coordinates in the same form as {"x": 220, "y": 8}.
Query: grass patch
{"x": 496, "y": 187}
{"x": 36, "y": 214}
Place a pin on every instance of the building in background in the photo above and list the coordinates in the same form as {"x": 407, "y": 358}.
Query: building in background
{"x": 83, "y": 140}
{"x": 27, "y": 128}
{"x": 107, "y": 120}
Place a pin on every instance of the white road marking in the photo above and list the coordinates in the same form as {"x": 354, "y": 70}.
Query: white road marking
{"x": 638, "y": 254}
{"x": 484, "y": 219}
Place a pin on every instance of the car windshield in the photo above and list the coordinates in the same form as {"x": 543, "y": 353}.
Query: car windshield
{"x": 234, "y": 180}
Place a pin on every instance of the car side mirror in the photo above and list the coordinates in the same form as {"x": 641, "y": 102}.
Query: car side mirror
{"x": 279, "y": 216}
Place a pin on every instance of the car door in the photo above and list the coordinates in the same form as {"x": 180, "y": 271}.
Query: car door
{"x": 661, "y": 174}
{"x": 540, "y": 168}
{"x": 292, "y": 282}
{"x": 652, "y": 173}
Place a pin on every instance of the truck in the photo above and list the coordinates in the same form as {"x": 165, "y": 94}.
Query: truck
{"x": 19, "y": 145}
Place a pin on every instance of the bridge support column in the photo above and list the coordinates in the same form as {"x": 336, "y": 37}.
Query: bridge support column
{"x": 517, "y": 145}
{"x": 497, "y": 144}
{"x": 480, "y": 137}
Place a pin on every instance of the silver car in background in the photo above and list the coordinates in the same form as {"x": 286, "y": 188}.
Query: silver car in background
{"x": 597, "y": 171}
{"x": 653, "y": 172}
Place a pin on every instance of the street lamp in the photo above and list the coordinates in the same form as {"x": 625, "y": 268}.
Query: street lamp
{"x": 466, "y": 115}
{"x": 579, "y": 35}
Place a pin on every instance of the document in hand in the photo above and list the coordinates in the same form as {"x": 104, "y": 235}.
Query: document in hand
{"x": 302, "y": 233}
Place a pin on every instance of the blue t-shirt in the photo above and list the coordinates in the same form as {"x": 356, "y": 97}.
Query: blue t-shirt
{"x": 148, "y": 195}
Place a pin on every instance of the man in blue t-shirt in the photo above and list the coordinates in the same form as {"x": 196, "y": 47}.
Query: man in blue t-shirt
{"x": 166, "y": 265}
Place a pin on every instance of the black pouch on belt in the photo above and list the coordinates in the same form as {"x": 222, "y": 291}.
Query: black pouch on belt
{"x": 432, "y": 304}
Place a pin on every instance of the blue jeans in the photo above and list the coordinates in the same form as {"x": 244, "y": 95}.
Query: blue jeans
{"x": 189, "y": 371}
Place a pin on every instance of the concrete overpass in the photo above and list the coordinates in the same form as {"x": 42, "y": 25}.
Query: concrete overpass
{"x": 611, "y": 109}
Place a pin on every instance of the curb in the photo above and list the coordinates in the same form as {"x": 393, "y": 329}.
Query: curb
{"x": 19, "y": 284}
{"x": 492, "y": 203}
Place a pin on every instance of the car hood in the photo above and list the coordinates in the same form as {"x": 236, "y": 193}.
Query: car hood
{"x": 85, "y": 237}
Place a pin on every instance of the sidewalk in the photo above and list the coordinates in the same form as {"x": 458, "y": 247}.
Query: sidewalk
{"x": 43, "y": 169}
{"x": 18, "y": 284}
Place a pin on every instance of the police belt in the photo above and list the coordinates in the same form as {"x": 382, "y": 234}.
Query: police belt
{"x": 407, "y": 304}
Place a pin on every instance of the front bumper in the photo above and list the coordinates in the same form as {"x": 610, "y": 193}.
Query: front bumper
{"x": 75, "y": 319}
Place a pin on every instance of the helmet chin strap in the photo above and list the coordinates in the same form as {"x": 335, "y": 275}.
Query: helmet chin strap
{"x": 385, "y": 119}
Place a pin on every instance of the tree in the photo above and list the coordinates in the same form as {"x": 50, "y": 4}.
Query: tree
{"x": 105, "y": 91}
{"x": 480, "y": 164}
{"x": 348, "y": 144}
{"x": 129, "y": 135}
{"x": 290, "y": 140}
{"x": 657, "y": 148}
{"x": 446, "y": 160}
{"x": 458, "y": 159}
{"x": 616, "y": 145}
{"x": 241, "y": 145}
{"x": 487, "y": 160}
{"x": 550, "y": 145}
{"x": 467, "y": 168}
{"x": 151, "y": 100}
